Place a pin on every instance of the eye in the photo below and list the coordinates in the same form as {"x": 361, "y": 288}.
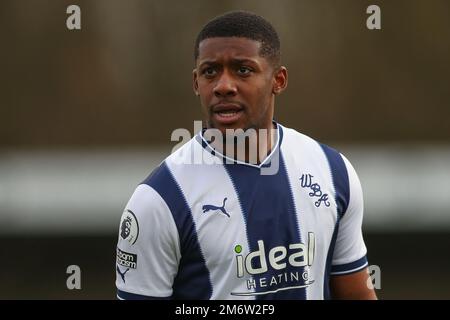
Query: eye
{"x": 243, "y": 70}
{"x": 209, "y": 71}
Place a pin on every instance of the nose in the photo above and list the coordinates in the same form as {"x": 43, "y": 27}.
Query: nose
{"x": 225, "y": 86}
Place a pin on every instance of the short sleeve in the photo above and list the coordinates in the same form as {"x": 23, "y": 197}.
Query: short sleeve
{"x": 350, "y": 250}
{"x": 148, "y": 250}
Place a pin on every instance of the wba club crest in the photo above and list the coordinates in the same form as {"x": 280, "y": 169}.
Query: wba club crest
{"x": 306, "y": 181}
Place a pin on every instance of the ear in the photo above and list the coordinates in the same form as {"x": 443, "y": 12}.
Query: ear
{"x": 280, "y": 80}
{"x": 195, "y": 82}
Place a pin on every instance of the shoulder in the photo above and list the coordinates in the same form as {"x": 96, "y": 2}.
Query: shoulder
{"x": 184, "y": 155}
{"x": 311, "y": 149}
{"x": 323, "y": 159}
{"x": 154, "y": 197}
{"x": 163, "y": 184}
{"x": 146, "y": 204}
{"x": 293, "y": 139}
{"x": 292, "y": 136}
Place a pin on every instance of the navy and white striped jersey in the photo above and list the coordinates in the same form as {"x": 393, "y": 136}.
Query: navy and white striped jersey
{"x": 220, "y": 230}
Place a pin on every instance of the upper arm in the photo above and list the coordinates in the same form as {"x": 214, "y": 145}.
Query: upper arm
{"x": 148, "y": 252}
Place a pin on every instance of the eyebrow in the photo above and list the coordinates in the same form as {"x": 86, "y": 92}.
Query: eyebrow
{"x": 233, "y": 61}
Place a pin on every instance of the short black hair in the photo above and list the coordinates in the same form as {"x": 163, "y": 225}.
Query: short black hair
{"x": 243, "y": 24}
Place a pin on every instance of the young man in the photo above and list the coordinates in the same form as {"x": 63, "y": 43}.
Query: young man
{"x": 281, "y": 222}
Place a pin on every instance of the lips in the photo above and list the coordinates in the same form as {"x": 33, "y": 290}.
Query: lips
{"x": 227, "y": 113}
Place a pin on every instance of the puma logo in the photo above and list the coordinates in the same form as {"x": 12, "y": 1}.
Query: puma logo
{"x": 208, "y": 207}
{"x": 122, "y": 274}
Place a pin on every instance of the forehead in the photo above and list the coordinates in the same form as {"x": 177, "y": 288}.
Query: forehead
{"x": 228, "y": 47}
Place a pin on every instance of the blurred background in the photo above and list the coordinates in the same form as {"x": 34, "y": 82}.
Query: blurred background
{"x": 85, "y": 115}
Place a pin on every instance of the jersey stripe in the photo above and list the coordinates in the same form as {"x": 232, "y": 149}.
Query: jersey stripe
{"x": 342, "y": 197}
{"x": 340, "y": 178}
{"x": 192, "y": 281}
{"x": 218, "y": 218}
{"x": 267, "y": 204}
{"x": 350, "y": 267}
{"x": 326, "y": 278}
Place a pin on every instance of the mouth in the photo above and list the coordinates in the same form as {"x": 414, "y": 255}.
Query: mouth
{"x": 227, "y": 113}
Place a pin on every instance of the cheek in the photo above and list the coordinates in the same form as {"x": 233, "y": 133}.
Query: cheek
{"x": 205, "y": 85}
{"x": 205, "y": 101}
{"x": 205, "y": 94}
{"x": 264, "y": 95}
